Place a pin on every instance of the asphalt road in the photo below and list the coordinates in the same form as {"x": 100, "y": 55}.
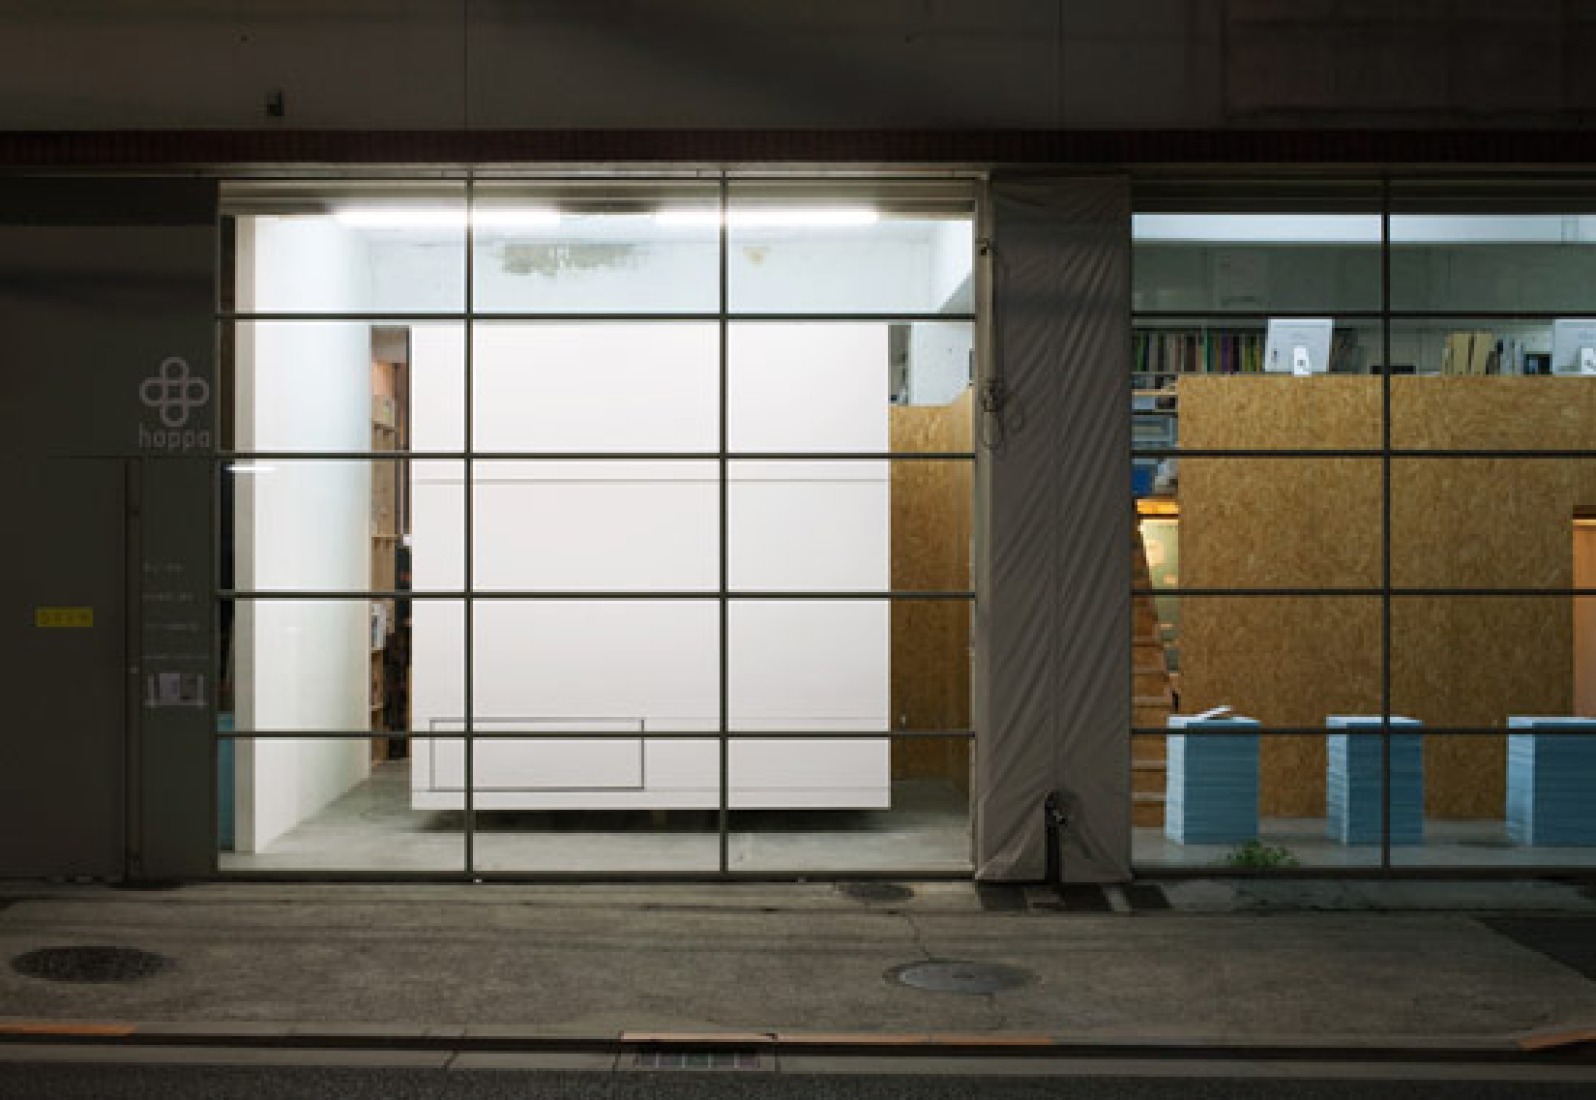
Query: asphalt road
{"x": 1152, "y": 1080}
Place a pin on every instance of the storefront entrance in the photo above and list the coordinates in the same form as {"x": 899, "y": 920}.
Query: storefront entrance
{"x": 596, "y": 528}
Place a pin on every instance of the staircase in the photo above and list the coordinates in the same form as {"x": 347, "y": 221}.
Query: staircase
{"x": 1152, "y": 696}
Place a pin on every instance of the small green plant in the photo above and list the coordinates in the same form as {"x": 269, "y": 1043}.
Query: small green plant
{"x": 1255, "y": 853}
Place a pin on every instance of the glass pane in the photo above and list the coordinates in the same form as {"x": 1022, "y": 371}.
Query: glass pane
{"x": 1489, "y": 662}
{"x": 850, "y": 526}
{"x": 599, "y": 841}
{"x": 435, "y": 536}
{"x": 1264, "y": 523}
{"x": 639, "y": 525}
{"x": 850, "y": 668}
{"x": 918, "y": 821}
{"x": 597, "y": 248}
{"x": 1522, "y": 799}
{"x": 328, "y": 248}
{"x": 1492, "y": 522}
{"x": 1284, "y": 661}
{"x": 810, "y": 525}
{"x": 1493, "y": 385}
{"x": 342, "y": 525}
{"x": 597, "y": 387}
{"x": 324, "y": 804}
{"x": 1218, "y": 795}
{"x": 592, "y": 791}
{"x": 1534, "y": 262}
{"x": 809, "y": 388}
{"x": 849, "y": 387}
{"x": 810, "y": 665}
{"x": 648, "y": 664}
{"x": 1168, "y": 350}
{"x": 347, "y": 386}
{"x": 337, "y": 665}
{"x": 1465, "y": 346}
{"x": 1255, "y": 263}
{"x": 848, "y": 250}
{"x": 1476, "y": 661}
{"x": 1198, "y": 385}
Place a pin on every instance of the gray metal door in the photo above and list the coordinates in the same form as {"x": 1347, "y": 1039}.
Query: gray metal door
{"x": 106, "y": 288}
{"x": 61, "y": 767}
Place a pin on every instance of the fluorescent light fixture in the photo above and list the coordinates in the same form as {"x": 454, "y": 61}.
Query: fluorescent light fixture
{"x": 250, "y": 468}
{"x": 507, "y": 217}
{"x": 398, "y": 217}
{"x": 772, "y": 218}
{"x": 1257, "y": 228}
{"x": 1363, "y": 228}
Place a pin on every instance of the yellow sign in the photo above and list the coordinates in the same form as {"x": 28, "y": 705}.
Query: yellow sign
{"x": 63, "y": 618}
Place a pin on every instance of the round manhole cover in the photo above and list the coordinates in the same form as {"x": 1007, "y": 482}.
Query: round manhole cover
{"x": 960, "y": 977}
{"x": 875, "y": 891}
{"x": 88, "y": 964}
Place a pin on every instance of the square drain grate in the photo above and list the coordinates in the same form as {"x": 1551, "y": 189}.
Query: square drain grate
{"x": 697, "y": 1060}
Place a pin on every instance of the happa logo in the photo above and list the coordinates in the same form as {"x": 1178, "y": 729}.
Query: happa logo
{"x": 175, "y": 394}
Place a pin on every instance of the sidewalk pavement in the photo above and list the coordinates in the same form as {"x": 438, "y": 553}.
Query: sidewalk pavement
{"x": 1257, "y": 964}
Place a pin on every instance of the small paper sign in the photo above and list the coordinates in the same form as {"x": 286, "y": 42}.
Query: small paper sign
{"x": 63, "y": 618}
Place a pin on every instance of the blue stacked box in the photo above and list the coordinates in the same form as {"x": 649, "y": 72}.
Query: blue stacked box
{"x": 1353, "y": 783}
{"x": 1211, "y": 793}
{"x": 1551, "y": 781}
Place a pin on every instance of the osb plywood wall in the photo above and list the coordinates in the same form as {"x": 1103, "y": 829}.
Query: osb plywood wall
{"x": 1455, "y": 523}
{"x": 931, "y": 551}
{"x": 1585, "y": 619}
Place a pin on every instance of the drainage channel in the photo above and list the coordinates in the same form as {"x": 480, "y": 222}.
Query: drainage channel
{"x": 733, "y": 1050}
{"x": 746, "y": 1052}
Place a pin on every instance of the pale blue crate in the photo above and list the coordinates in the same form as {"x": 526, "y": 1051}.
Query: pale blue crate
{"x": 1551, "y": 781}
{"x": 1211, "y": 780}
{"x": 1353, "y": 783}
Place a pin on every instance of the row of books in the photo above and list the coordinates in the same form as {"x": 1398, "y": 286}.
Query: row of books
{"x": 1172, "y": 352}
{"x": 1197, "y": 352}
{"x": 1477, "y": 353}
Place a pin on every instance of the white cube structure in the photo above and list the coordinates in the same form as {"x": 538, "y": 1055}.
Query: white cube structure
{"x": 609, "y": 672}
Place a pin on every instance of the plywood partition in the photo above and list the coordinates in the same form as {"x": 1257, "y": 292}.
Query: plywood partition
{"x": 1585, "y": 618}
{"x": 1455, "y": 523}
{"x": 931, "y": 551}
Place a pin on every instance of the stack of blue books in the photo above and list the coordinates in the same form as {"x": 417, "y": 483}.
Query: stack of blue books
{"x": 1354, "y": 786}
{"x": 1551, "y": 781}
{"x": 1211, "y": 792}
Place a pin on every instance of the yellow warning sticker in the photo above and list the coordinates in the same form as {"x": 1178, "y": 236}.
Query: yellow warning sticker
{"x": 63, "y": 618}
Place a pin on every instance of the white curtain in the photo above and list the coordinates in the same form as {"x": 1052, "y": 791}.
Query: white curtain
{"x": 1053, "y": 626}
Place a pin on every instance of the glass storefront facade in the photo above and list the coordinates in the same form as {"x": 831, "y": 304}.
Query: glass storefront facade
{"x": 628, "y": 526}
{"x": 590, "y": 527}
{"x": 1364, "y": 432}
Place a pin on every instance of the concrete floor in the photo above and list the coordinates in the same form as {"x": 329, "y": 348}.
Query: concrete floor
{"x": 1448, "y": 844}
{"x": 373, "y": 828}
{"x": 927, "y": 831}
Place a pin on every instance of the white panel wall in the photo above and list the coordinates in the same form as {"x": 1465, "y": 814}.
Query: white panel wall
{"x": 940, "y": 363}
{"x": 610, "y": 666}
{"x": 300, "y": 664}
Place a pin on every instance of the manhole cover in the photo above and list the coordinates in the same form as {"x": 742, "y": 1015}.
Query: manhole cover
{"x": 88, "y": 964}
{"x": 959, "y": 977}
{"x": 875, "y": 891}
